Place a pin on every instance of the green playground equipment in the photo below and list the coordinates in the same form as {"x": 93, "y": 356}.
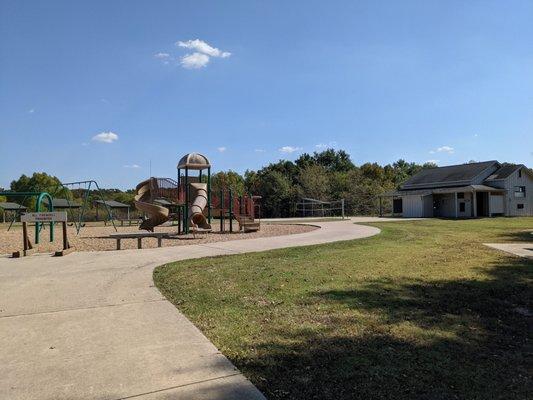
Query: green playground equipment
{"x": 40, "y": 197}
{"x": 87, "y": 185}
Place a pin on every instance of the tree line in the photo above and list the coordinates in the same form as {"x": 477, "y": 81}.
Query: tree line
{"x": 328, "y": 175}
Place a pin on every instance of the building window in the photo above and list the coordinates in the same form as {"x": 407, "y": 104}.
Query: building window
{"x": 461, "y": 207}
{"x": 520, "y": 206}
{"x": 397, "y": 206}
{"x": 520, "y": 173}
{"x": 519, "y": 191}
{"x": 460, "y": 195}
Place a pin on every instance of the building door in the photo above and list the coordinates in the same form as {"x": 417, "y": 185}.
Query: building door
{"x": 482, "y": 204}
{"x": 397, "y": 206}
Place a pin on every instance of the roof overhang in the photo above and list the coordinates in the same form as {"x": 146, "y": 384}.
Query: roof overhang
{"x": 457, "y": 189}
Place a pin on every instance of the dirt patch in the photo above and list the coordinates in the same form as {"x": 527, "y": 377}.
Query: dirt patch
{"x": 93, "y": 238}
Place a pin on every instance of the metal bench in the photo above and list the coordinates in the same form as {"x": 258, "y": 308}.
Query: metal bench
{"x": 140, "y": 236}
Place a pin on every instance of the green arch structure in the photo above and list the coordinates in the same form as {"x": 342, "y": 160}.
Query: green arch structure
{"x": 50, "y": 207}
{"x": 40, "y": 197}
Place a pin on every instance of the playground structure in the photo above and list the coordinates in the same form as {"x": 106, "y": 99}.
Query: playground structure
{"x": 308, "y": 207}
{"x": 191, "y": 201}
{"x": 39, "y": 218}
{"x": 69, "y": 186}
{"x": 42, "y": 198}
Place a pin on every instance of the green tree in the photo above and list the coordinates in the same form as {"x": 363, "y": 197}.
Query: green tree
{"x": 314, "y": 182}
{"x": 277, "y": 194}
{"x": 38, "y": 182}
{"x": 331, "y": 160}
{"x": 228, "y": 180}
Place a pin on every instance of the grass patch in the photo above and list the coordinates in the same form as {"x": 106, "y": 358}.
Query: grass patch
{"x": 422, "y": 310}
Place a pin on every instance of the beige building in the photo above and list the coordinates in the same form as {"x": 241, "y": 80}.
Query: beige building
{"x": 482, "y": 189}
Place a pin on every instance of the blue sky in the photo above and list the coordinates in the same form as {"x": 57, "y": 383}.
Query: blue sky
{"x": 98, "y": 89}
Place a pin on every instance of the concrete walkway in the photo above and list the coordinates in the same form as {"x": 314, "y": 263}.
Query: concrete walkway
{"x": 518, "y": 249}
{"x": 93, "y": 326}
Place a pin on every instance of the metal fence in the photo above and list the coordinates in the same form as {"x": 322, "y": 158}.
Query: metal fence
{"x": 308, "y": 207}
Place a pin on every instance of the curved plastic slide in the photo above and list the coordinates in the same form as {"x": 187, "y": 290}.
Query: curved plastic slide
{"x": 196, "y": 214}
{"x": 157, "y": 215}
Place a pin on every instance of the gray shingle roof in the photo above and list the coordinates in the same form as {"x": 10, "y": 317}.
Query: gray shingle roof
{"x": 63, "y": 203}
{"x": 453, "y": 175}
{"x": 8, "y": 206}
{"x": 112, "y": 203}
{"x": 504, "y": 172}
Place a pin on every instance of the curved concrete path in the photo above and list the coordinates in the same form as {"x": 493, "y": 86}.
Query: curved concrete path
{"x": 92, "y": 325}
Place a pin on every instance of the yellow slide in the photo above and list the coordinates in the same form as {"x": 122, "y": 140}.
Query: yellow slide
{"x": 157, "y": 215}
{"x": 196, "y": 212}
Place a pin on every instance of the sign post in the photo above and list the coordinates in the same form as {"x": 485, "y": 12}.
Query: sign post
{"x": 40, "y": 217}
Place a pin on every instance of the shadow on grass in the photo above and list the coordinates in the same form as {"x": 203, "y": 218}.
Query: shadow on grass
{"x": 424, "y": 340}
{"x": 519, "y": 236}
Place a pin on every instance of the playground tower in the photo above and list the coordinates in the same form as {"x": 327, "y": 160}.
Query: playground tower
{"x": 197, "y": 194}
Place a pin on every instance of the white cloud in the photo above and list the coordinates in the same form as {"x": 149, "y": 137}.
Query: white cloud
{"x": 132, "y": 166}
{"x": 324, "y": 146}
{"x": 105, "y": 137}
{"x": 289, "y": 149}
{"x": 221, "y": 149}
{"x": 200, "y": 57}
{"x": 443, "y": 149}
{"x": 31, "y": 111}
{"x": 164, "y": 57}
{"x": 194, "y": 61}
{"x": 433, "y": 161}
{"x": 202, "y": 47}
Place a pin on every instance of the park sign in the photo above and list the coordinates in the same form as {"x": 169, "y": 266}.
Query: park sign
{"x": 52, "y": 216}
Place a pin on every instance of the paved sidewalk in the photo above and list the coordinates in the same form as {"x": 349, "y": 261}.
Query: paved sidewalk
{"x": 93, "y": 326}
{"x": 518, "y": 249}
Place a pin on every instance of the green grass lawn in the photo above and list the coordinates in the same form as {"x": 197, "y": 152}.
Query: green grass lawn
{"x": 421, "y": 311}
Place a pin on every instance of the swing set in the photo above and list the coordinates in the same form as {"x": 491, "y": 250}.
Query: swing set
{"x": 79, "y": 222}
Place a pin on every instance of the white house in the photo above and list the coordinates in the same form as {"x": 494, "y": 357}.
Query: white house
{"x": 482, "y": 189}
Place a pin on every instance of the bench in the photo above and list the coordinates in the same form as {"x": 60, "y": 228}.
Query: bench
{"x": 140, "y": 236}
{"x": 123, "y": 222}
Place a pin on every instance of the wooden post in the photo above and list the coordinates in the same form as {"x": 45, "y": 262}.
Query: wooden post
{"x": 139, "y": 243}
{"x": 25, "y": 238}
{"x": 65, "y": 239}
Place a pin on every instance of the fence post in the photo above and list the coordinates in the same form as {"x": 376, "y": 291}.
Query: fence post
{"x": 342, "y": 208}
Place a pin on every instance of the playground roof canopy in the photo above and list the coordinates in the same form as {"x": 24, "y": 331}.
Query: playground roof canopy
{"x": 112, "y": 204}
{"x": 8, "y": 206}
{"x": 63, "y": 203}
{"x": 194, "y": 161}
